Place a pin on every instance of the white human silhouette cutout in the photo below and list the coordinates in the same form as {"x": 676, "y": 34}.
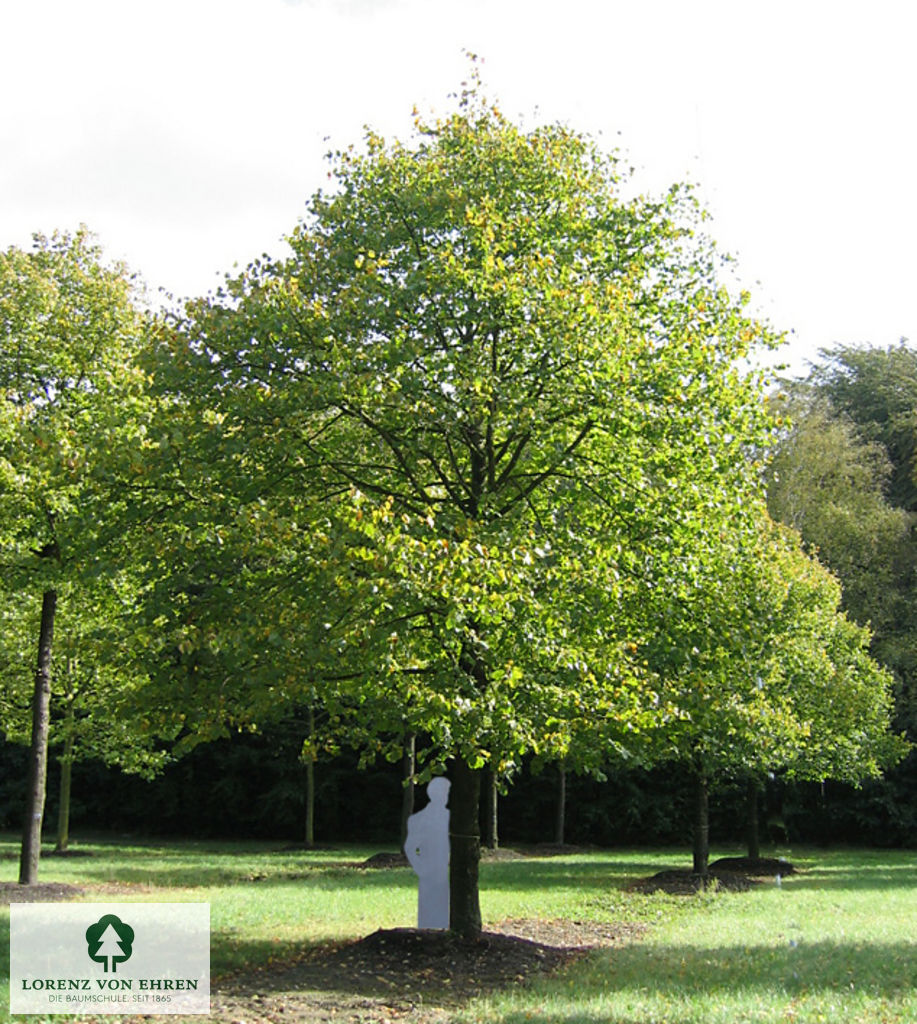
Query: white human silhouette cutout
{"x": 427, "y": 850}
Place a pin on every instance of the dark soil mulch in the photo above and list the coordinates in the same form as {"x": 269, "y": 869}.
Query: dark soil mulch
{"x": 43, "y": 892}
{"x": 305, "y": 848}
{"x": 729, "y": 874}
{"x": 408, "y": 974}
{"x": 755, "y": 867}
{"x": 557, "y": 849}
{"x": 385, "y": 860}
{"x": 684, "y": 883}
{"x": 406, "y": 959}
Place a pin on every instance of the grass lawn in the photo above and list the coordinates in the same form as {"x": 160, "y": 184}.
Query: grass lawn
{"x": 835, "y": 944}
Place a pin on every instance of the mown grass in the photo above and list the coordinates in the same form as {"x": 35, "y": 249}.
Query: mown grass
{"x": 837, "y": 943}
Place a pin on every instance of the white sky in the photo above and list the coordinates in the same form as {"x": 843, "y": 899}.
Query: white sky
{"x": 188, "y": 134}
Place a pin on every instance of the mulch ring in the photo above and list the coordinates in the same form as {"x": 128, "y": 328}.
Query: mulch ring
{"x": 398, "y": 971}
{"x": 43, "y": 892}
{"x": 384, "y": 860}
{"x": 728, "y": 874}
{"x": 755, "y": 867}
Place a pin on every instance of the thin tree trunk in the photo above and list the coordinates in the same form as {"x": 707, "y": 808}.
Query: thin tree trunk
{"x": 465, "y": 815}
{"x": 38, "y": 754}
{"x": 754, "y": 833}
{"x": 310, "y": 786}
{"x": 493, "y": 811}
{"x": 465, "y": 850}
{"x": 701, "y": 827}
{"x": 408, "y": 756}
{"x": 560, "y": 820}
{"x": 66, "y": 773}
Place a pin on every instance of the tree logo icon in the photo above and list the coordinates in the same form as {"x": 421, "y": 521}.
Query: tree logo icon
{"x": 109, "y": 941}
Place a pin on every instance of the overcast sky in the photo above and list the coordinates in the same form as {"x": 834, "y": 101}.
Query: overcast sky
{"x": 188, "y": 134}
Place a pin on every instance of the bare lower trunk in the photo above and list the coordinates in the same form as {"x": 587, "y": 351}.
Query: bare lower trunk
{"x": 63, "y": 811}
{"x": 560, "y": 820}
{"x": 465, "y": 850}
{"x": 701, "y": 827}
{"x": 493, "y": 811}
{"x": 309, "y": 832}
{"x": 465, "y": 819}
{"x": 309, "y": 836}
{"x": 754, "y": 835}
{"x": 408, "y": 756}
{"x": 38, "y": 754}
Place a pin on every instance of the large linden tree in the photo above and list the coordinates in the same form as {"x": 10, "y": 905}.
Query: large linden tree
{"x": 499, "y": 387}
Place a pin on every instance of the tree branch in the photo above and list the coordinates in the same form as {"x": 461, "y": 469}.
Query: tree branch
{"x": 550, "y": 471}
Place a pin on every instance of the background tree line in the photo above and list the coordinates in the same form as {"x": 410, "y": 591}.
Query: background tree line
{"x": 469, "y": 481}
{"x": 844, "y": 475}
{"x": 254, "y": 787}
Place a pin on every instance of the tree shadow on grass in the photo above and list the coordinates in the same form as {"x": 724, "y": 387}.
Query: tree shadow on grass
{"x": 512, "y": 875}
{"x": 672, "y": 976}
{"x": 790, "y": 964}
{"x": 343, "y": 876}
{"x": 863, "y": 876}
{"x": 538, "y": 872}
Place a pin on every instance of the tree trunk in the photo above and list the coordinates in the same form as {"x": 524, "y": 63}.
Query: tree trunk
{"x": 754, "y": 835}
{"x": 38, "y": 754}
{"x": 408, "y": 756}
{"x": 560, "y": 820}
{"x": 701, "y": 827}
{"x": 66, "y": 772}
{"x": 493, "y": 796}
{"x": 309, "y": 837}
{"x": 465, "y": 810}
{"x": 465, "y": 850}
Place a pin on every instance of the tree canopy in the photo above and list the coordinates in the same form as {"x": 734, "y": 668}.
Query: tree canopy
{"x": 500, "y": 390}
{"x": 830, "y": 483}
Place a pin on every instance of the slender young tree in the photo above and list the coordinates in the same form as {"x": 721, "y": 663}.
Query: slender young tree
{"x": 92, "y": 687}
{"x": 71, "y": 434}
{"x": 760, "y": 671}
